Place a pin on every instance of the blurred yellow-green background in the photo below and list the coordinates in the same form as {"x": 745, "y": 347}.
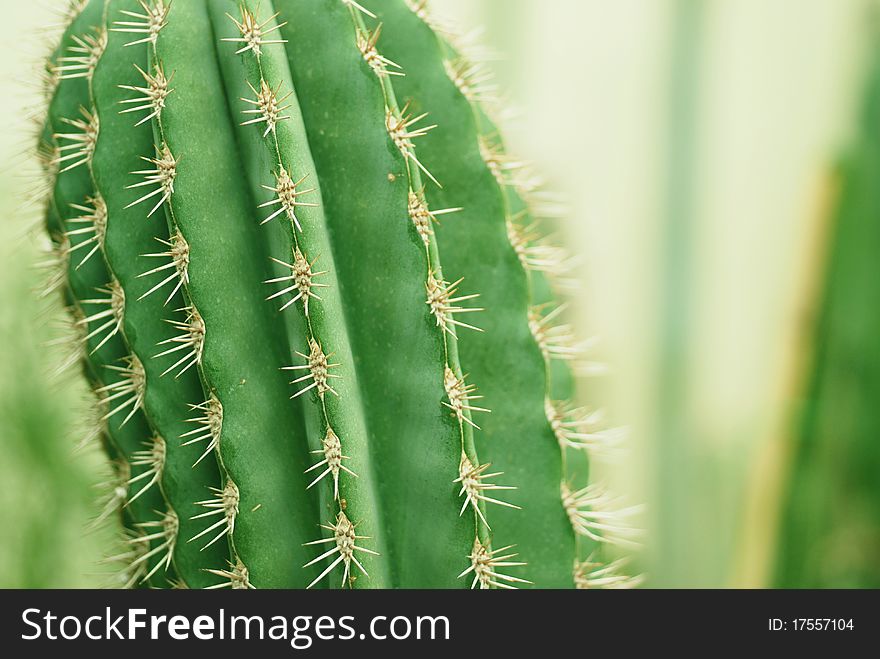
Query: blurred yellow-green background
{"x": 720, "y": 160}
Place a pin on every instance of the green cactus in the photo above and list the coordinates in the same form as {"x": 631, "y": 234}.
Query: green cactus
{"x": 285, "y": 340}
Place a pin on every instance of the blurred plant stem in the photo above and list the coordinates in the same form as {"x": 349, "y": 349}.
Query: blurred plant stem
{"x": 677, "y": 468}
{"x": 830, "y": 526}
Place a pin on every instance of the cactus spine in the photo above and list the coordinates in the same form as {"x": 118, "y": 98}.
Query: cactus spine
{"x": 247, "y": 196}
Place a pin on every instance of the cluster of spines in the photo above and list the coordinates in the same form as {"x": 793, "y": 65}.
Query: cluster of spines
{"x": 83, "y": 55}
{"x": 593, "y": 513}
{"x": 583, "y": 429}
{"x": 444, "y": 303}
{"x": 45, "y": 83}
{"x": 93, "y": 223}
{"x": 223, "y": 504}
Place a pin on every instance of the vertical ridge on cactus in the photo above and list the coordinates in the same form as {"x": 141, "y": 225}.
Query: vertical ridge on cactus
{"x": 253, "y": 190}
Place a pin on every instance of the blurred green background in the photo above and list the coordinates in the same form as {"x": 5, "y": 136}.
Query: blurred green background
{"x": 721, "y": 163}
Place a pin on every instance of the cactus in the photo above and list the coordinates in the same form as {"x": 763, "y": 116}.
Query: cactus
{"x": 298, "y": 301}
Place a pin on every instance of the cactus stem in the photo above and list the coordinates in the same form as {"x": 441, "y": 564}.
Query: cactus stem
{"x": 287, "y": 194}
{"x": 534, "y": 255}
{"x": 485, "y": 564}
{"x": 191, "y": 339}
{"x": 398, "y": 126}
{"x": 130, "y": 387}
{"x": 120, "y": 385}
{"x": 163, "y": 175}
{"x": 345, "y": 541}
{"x": 178, "y": 252}
{"x": 253, "y": 32}
{"x": 595, "y": 514}
{"x": 210, "y": 426}
{"x": 87, "y": 52}
{"x": 366, "y": 42}
{"x": 81, "y": 145}
{"x": 580, "y": 428}
{"x": 153, "y": 95}
{"x": 424, "y": 218}
{"x": 589, "y": 509}
{"x": 442, "y": 301}
{"x": 473, "y": 80}
{"x": 319, "y": 371}
{"x": 268, "y": 106}
{"x": 224, "y": 502}
{"x": 555, "y": 341}
{"x": 153, "y": 458}
{"x": 303, "y": 280}
{"x": 471, "y": 477}
{"x": 332, "y": 452}
{"x": 151, "y": 22}
{"x": 95, "y": 218}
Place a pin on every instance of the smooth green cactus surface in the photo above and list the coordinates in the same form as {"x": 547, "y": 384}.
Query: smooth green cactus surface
{"x": 326, "y": 340}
